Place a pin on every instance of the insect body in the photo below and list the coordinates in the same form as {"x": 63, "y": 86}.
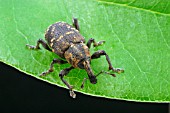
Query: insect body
{"x": 66, "y": 41}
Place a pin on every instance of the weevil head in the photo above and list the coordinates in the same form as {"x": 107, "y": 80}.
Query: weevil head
{"x": 78, "y": 55}
{"x": 85, "y": 64}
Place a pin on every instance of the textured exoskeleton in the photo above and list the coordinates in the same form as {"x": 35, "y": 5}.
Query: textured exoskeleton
{"x": 67, "y": 42}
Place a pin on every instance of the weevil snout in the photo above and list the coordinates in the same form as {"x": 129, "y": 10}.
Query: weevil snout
{"x": 93, "y": 79}
{"x": 89, "y": 71}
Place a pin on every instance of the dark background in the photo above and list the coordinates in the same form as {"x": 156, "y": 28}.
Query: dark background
{"x": 21, "y": 93}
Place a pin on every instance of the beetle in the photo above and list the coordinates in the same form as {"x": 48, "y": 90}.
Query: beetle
{"x": 66, "y": 41}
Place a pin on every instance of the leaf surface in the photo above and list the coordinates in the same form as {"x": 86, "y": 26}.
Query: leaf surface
{"x": 136, "y": 34}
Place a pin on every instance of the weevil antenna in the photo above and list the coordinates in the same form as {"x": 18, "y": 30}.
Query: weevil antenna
{"x": 105, "y": 73}
{"x": 84, "y": 80}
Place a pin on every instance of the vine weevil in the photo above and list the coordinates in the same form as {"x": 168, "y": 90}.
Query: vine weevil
{"x": 66, "y": 41}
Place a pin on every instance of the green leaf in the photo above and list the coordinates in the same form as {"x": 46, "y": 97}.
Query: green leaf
{"x": 136, "y": 34}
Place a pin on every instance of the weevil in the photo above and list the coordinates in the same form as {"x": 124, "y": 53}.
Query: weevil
{"x": 66, "y": 41}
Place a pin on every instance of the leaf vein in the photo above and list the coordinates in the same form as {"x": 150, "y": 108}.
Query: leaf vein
{"x": 155, "y": 4}
{"x": 161, "y": 31}
{"x": 134, "y": 59}
{"x": 19, "y": 32}
{"x": 133, "y": 7}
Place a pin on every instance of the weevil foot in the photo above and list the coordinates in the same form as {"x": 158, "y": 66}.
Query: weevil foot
{"x": 72, "y": 94}
{"x": 43, "y": 73}
{"x": 98, "y": 43}
{"x": 46, "y": 72}
{"x": 118, "y": 70}
{"x": 32, "y": 47}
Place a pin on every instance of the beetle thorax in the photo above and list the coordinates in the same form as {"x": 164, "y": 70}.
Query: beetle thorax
{"x": 77, "y": 54}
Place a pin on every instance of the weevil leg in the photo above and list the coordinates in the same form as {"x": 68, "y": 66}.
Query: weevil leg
{"x": 55, "y": 61}
{"x": 95, "y": 44}
{"x": 102, "y": 52}
{"x": 40, "y": 41}
{"x": 76, "y": 24}
{"x": 63, "y": 73}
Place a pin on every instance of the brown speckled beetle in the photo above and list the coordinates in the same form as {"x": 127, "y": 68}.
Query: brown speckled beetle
{"x": 66, "y": 41}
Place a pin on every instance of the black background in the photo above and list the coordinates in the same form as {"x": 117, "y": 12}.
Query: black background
{"x": 21, "y": 93}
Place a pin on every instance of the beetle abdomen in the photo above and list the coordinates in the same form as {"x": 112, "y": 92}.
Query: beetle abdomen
{"x": 60, "y": 36}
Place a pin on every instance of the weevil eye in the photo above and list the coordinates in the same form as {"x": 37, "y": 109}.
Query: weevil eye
{"x": 81, "y": 65}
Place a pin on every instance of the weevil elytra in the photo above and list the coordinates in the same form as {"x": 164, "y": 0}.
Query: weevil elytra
{"x": 66, "y": 41}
